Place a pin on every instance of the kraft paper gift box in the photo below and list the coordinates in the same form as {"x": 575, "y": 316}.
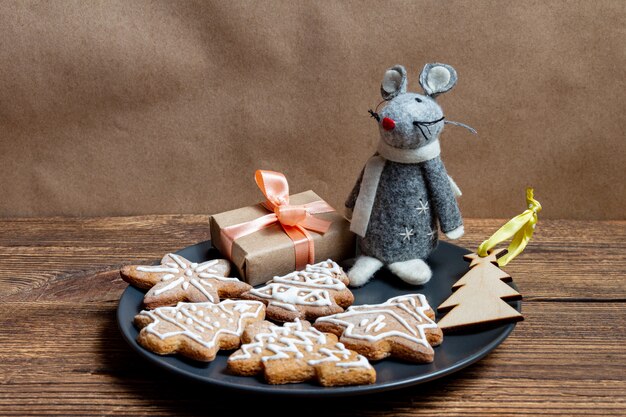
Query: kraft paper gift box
{"x": 269, "y": 252}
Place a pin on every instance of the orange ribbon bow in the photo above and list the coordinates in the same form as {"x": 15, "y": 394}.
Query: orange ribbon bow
{"x": 295, "y": 220}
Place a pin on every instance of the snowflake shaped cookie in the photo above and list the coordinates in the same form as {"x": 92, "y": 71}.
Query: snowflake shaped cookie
{"x": 402, "y": 327}
{"x": 297, "y": 352}
{"x": 197, "y": 330}
{"x": 319, "y": 290}
{"x": 178, "y": 279}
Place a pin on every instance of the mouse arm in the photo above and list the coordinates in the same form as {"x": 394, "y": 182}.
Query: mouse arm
{"x": 354, "y": 194}
{"x": 442, "y": 198}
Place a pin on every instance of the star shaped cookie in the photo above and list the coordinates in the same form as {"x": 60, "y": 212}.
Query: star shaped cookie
{"x": 178, "y": 279}
{"x": 319, "y": 290}
{"x": 401, "y": 327}
{"x": 197, "y": 330}
{"x": 297, "y": 352}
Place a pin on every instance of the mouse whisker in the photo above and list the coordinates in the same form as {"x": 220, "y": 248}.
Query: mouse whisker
{"x": 471, "y": 129}
{"x": 420, "y": 128}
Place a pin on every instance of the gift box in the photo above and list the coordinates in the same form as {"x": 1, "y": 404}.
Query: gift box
{"x": 281, "y": 234}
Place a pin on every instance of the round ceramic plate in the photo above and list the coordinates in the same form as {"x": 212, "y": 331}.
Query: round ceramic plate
{"x": 456, "y": 351}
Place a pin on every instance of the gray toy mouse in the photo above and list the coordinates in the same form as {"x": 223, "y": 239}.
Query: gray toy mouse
{"x": 404, "y": 192}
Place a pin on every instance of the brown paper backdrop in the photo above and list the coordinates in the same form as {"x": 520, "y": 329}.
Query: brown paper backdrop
{"x": 116, "y": 107}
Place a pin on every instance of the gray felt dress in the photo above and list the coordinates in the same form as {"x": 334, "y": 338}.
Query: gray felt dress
{"x": 410, "y": 201}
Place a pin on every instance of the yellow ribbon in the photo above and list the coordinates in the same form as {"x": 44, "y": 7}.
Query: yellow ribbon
{"x": 520, "y": 228}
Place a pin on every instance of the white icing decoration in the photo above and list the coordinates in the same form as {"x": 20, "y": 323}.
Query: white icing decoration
{"x": 289, "y": 344}
{"x": 328, "y": 267}
{"x": 157, "y": 269}
{"x": 363, "y": 322}
{"x": 283, "y": 305}
{"x": 178, "y": 260}
{"x": 203, "y": 290}
{"x": 291, "y": 295}
{"x": 413, "y": 333}
{"x": 181, "y": 317}
{"x": 289, "y": 340}
{"x": 186, "y": 274}
{"x": 169, "y": 286}
{"x": 380, "y": 318}
{"x": 331, "y": 356}
{"x": 218, "y": 277}
{"x": 311, "y": 279}
{"x": 205, "y": 265}
{"x": 362, "y": 362}
{"x": 304, "y": 288}
{"x": 241, "y": 308}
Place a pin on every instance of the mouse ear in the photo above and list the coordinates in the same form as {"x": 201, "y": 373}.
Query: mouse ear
{"x": 394, "y": 82}
{"x": 437, "y": 78}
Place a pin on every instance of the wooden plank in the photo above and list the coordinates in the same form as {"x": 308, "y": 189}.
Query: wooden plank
{"x": 37, "y": 253}
{"x": 560, "y": 361}
{"x": 567, "y": 259}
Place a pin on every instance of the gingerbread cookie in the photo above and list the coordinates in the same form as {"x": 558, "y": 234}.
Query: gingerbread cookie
{"x": 297, "y": 352}
{"x": 317, "y": 291}
{"x": 178, "y": 279}
{"x": 197, "y": 330}
{"x": 402, "y": 327}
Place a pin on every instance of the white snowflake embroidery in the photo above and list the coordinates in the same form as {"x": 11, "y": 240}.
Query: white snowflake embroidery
{"x": 406, "y": 235}
{"x": 423, "y": 208}
{"x": 432, "y": 234}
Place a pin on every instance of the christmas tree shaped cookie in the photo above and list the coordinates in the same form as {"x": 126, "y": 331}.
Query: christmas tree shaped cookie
{"x": 297, "y": 352}
{"x": 178, "y": 279}
{"x": 319, "y": 290}
{"x": 478, "y": 297}
{"x": 197, "y": 330}
{"x": 401, "y": 327}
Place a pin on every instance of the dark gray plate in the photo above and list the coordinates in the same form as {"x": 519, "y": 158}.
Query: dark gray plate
{"x": 456, "y": 352}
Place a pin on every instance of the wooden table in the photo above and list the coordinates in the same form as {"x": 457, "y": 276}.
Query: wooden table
{"x": 61, "y": 352}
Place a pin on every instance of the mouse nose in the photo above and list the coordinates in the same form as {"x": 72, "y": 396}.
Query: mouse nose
{"x": 388, "y": 124}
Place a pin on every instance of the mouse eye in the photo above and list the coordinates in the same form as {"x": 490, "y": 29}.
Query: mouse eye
{"x": 419, "y": 100}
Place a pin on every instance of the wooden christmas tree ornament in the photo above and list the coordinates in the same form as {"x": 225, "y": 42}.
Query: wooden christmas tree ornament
{"x": 480, "y": 296}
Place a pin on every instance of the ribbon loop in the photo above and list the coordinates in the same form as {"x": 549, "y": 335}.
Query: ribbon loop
{"x": 296, "y": 220}
{"x": 520, "y": 229}
{"x": 274, "y": 187}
